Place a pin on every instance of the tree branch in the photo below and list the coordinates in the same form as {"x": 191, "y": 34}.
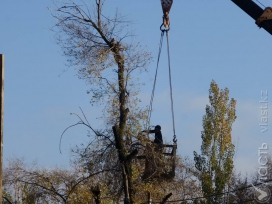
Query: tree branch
{"x": 166, "y": 198}
{"x": 7, "y": 200}
{"x": 132, "y": 155}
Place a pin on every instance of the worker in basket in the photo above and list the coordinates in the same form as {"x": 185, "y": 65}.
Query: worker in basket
{"x": 158, "y": 141}
{"x": 154, "y": 161}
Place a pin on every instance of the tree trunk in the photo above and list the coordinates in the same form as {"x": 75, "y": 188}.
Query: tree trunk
{"x": 120, "y": 129}
{"x": 97, "y": 194}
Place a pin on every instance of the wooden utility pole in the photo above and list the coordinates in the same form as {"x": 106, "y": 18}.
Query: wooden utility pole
{"x": 1, "y": 122}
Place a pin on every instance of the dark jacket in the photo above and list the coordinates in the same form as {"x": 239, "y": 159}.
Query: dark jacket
{"x": 158, "y": 137}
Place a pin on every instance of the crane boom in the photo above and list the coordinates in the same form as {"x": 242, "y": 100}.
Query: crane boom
{"x": 263, "y": 18}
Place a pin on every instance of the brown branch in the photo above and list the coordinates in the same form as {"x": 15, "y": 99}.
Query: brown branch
{"x": 132, "y": 155}
{"x": 7, "y": 200}
{"x": 166, "y": 198}
{"x": 88, "y": 21}
{"x": 47, "y": 189}
{"x": 98, "y": 13}
{"x": 85, "y": 178}
{"x": 64, "y": 132}
{"x": 80, "y": 122}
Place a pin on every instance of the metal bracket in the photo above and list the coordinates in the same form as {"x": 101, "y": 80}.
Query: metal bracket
{"x": 267, "y": 15}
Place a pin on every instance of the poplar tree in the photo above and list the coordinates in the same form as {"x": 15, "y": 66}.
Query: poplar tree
{"x": 215, "y": 163}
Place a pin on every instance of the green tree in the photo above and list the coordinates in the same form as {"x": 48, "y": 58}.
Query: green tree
{"x": 215, "y": 164}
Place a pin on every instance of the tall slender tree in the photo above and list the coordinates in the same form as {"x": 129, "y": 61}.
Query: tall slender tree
{"x": 215, "y": 163}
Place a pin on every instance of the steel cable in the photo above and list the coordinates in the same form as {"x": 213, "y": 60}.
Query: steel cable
{"x": 154, "y": 84}
{"x": 171, "y": 91}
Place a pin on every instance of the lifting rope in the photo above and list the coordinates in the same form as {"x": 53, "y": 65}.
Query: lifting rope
{"x": 155, "y": 80}
{"x": 171, "y": 92}
{"x": 166, "y": 6}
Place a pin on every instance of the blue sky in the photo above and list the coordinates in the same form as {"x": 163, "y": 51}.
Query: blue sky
{"x": 208, "y": 40}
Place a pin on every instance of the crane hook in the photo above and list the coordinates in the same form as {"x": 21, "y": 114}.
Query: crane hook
{"x": 166, "y": 7}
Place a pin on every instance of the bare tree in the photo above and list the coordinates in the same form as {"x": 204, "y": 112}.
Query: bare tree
{"x": 98, "y": 46}
{"x": 32, "y": 184}
{"x": 108, "y": 58}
